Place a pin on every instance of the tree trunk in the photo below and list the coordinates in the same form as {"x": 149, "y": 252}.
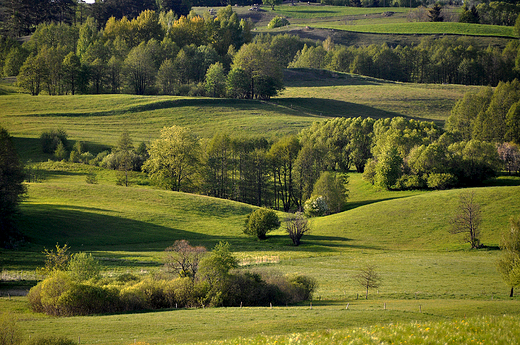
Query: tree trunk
{"x": 511, "y": 294}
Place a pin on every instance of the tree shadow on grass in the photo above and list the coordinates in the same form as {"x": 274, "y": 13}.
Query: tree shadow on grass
{"x": 333, "y": 108}
{"x": 353, "y": 205}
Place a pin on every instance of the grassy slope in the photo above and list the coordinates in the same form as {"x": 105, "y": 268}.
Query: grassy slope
{"x": 310, "y": 96}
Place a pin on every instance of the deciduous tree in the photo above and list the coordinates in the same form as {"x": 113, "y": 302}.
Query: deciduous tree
{"x": 368, "y": 278}
{"x": 509, "y": 263}
{"x": 173, "y": 158}
{"x": 467, "y": 219}
{"x": 297, "y": 226}
{"x": 183, "y": 258}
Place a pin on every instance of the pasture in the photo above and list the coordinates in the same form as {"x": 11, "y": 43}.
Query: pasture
{"x": 432, "y": 283}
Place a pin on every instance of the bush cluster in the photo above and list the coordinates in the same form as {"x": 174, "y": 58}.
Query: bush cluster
{"x": 60, "y": 295}
{"x": 278, "y": 22}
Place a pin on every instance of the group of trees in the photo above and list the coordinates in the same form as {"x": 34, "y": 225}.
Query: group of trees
{"x": 254, "y": 171}
{"x": 446, "y": 60}
{"x": 153, "y": 53}
{"x": 491, "y": 12}
{"x": 192, "y": 277}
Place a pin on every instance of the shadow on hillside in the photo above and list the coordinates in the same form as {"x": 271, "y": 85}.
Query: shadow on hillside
{"x": 353, "y": 205}
{"x": 81, "y": 227}
{"x": 308, "y": 77}
{"x": 167, "y": 104}
{"x": 331, "y": 107}
{"x": 30, "y": 149}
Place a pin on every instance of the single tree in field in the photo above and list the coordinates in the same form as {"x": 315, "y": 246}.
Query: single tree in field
{"x": 11, "y": 186}
{"x": 260, "y": 222}
{"x": 467, "y": 219}
{"x": 297, "y": 226}
{"x": 368, "y": 278}
{"x": 183, "y": 258}
{"x": 272, "y": 3}
{"x": 509, "y": 263}
{"x": 124, "y": 147}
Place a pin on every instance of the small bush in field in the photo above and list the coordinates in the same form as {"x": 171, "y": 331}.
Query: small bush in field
{"x": 278, "y": 22}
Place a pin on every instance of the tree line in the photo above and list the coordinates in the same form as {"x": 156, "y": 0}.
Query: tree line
{"x": 307, "y": 171}
{"x": 154, "y": 53}
{"x": 447, "y": 60}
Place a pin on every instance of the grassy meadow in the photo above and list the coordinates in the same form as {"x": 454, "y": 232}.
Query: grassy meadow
{"x": 434, "y": 288}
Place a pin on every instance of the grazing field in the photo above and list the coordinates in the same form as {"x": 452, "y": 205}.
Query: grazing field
{"x": 433, "y": 286}
{"x": 309, "y": 96}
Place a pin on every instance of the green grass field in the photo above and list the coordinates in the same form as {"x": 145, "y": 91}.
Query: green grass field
{"x": 432, "y": 281}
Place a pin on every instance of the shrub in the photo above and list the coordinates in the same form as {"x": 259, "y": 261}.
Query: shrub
{"x": 278, "y": 22}
{"x": 49, "y": 140}
{"x": 260, "y": 222}
{"x": 441, "y": 181}
{"x": 316, "y": 206}
{"x": 85, "y": 299}
{"x": 45, "y": 295}
{"x": 83, "y": 266}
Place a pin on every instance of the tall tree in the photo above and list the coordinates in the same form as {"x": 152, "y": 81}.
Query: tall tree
{"x": 139, "y": 69}
{"x": 259, "y": 65}
{"x": 467, "y": 219}
{"x": 509, "y": 263}
{"x": 124, "y": 148}
{"x": 11, "y": 186}
{"x": 173, "y": 158}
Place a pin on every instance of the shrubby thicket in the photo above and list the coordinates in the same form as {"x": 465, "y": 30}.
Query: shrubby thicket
{"x": 80, "y": 290}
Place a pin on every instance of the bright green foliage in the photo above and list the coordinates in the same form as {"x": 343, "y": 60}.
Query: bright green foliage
{"x": 33, "y": 74}
{"x": 218, "y": 263}
{"x": 71, "y": 71}
{"x": 509, "y": 263}
{"x": 56, "y": 260}
{"x": 388, "y": 169}
{"x": 465, "y": 112}
{"x": 260, "y": 222}
{"x": 215, "y": 81}
{"x": 237, "y": 83}
{"x": 278, "y": 22}
{"x": 83, "y": 266}
{"x": 263, "y": 71}
{"x": 14, "y": 61}
{"x": 513, "y": 123}
{"x": 167, "y": 78}
{"x": 139, "y": 70}
{"x": 332, "y": 187}
{"x": 491, "y": 125}
{"x": 173, "y": 158}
